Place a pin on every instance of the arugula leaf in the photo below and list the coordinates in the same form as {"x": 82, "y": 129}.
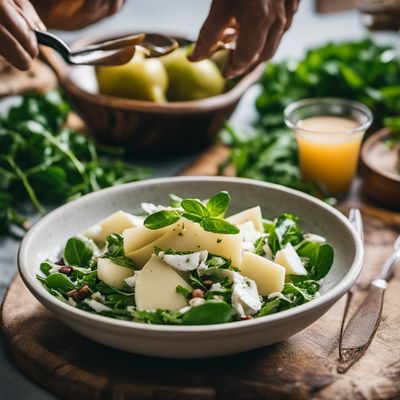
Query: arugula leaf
{"x": 186, "y": 293}
{"x": 259, "y": 244}
{"x": 60, "y": 282}
{"x": 218, "y": 204}
{"x": 161, "y": 219}
{"x": 211, "y": 312}
{"x": 161, "y": 317}
{"x": 319, "y": 258}
{"x": 77, "y": 252}
{"x": 285, "y": 230}
{"x": 218, "y": 225}
{"x": 195, "y": 207}
{"x": 270, "y": 307}
{"x": 115, "y": 245}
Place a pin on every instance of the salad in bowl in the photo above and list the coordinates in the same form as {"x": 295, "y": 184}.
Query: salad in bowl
{"x": 189, "y": 263}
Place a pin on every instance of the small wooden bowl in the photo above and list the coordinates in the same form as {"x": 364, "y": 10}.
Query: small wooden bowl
{"x": 378, "y": 169}
{"x": 143, "y": 127}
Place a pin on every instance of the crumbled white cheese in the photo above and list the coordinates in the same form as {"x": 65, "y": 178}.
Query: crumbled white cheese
{"x": 184, "y": 262}
{"x": 96, "y": 306}
{"x": 98, "y": 297}
{"x": 250, "y": 235}
{"x": 150, "y": 208}
{"x": 313, "y": 237}
{"x": 216, "y": 286}
{"x": 196, "y": 301}
{"x": 72, "y": 301}
{"x": 184, "y": 310}
{"x": 54, "y": 268}
{"x": 245, "y": 297}
{"x": 131, "y": 281}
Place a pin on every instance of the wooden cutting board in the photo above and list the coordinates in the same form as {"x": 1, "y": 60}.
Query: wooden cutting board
{"x": 303, "y": 367}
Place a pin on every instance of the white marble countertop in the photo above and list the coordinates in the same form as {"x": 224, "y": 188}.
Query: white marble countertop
{"x": 180, "y": 16}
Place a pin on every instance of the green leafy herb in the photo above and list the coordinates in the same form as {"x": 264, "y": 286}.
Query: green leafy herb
{"x": 285, "y": 230}
{"x": 195, "y": 207}
{"x": 186, "y": 293}
{"x": 115, "y": 251}
{"x": 161, "y": 219}
{"x": 77, "y": 252}
{"x": 43, "y": 163}
{"x": 259, "y": 244}
{"x": 161, "y": 317}
{"x": 319, "y": 258}
{"x": 196, "y": 211}
{"x": 218, "y": 204}
{"x": 211, "y": 312}
{"x": 58, "y": 281}
{"x": 217, "y": 225}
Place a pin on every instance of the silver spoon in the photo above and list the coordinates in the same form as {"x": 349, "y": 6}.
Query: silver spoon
{"x": 111, "y": 52}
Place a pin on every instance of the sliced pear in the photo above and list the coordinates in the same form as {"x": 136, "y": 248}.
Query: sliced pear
{"x": 112, "y": 274}
{"x": 189, "y": 236}
{"x": 115, "y": 223}
{"x": 288, "y": 258}
{"x": 156, "y": 287}
{"x": 268, "y": 275}
{"x": 252, "y": 214}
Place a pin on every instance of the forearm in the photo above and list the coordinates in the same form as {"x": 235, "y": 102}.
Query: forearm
{"x": 74, "y": 14}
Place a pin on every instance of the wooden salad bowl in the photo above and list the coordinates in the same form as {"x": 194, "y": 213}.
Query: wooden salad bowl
{"x": 144, "y": 127}
{"x": 379, "y": 169}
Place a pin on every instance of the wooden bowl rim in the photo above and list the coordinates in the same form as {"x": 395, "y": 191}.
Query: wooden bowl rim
{"x": 182, "y": 107}
{"x": 365, "y": 158}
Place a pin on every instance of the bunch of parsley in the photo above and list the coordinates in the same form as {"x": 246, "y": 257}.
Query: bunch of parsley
{"x": 44, "y": 163}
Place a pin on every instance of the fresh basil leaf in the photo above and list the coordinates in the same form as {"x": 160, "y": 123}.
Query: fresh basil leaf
{"x": 211, "y": 312}
{"x": 77, "y": 252}
{"x": 161, "y": 219}
{"x": 218, "y": 225}
{"x": 192, "y": 217}
{"x": 195, "y": 207}
{"x": 60, "y": 282}
{"x": 186, "y": 293}
{"x": 218, "y": 204}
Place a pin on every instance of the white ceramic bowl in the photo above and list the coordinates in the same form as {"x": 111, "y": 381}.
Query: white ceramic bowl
{"x": 50, "y": 233}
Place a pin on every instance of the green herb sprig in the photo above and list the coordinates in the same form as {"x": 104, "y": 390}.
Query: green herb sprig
{"x": 208, "y": 216}
{"x": 42, "y": 163}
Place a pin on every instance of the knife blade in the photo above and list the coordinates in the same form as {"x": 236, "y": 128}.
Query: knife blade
{"x": 361, "y": 329}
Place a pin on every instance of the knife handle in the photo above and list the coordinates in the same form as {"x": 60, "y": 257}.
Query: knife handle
{"x": 362, "y": 327}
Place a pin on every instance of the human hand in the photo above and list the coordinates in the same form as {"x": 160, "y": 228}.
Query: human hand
{"x": 75, "y": 14}
{"x": 260, "y": 25}
{"x": 18, "y": 44}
